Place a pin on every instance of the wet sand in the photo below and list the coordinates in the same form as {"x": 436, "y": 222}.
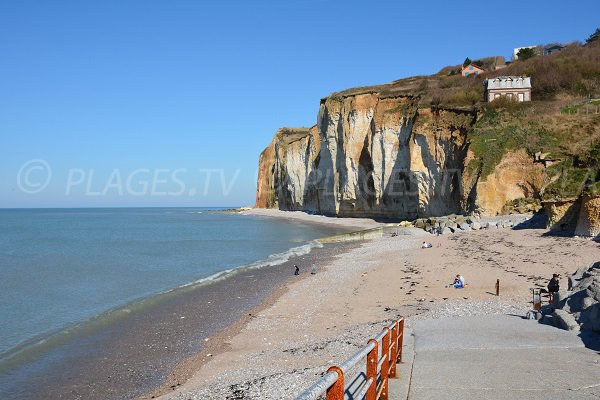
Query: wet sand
{"x": 158, "y": 344}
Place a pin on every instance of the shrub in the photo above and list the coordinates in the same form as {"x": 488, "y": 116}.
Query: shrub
{"x": 526, "y": 53}
{"x": 504, "y": 102}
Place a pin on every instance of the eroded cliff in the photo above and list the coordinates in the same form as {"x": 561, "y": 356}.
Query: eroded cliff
{"x": 430, "y": 145}
{"x": 384, "y": 156}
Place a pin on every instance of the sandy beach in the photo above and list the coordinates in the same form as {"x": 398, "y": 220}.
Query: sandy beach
{"x": 322, "y": 319}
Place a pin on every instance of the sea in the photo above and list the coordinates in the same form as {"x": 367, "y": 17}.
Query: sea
{"x": 63, "y": 269}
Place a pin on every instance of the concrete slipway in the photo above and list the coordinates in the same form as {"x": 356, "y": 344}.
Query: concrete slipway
{"x": 495, "y": 357}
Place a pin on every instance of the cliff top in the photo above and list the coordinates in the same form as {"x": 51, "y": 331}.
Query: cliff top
{"x": 573, "y": 72}
{"x": 290, "y": 135}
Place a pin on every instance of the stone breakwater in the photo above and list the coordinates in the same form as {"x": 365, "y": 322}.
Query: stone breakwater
{"x": 460, "y": 223}
{"x": 579, "y": 307}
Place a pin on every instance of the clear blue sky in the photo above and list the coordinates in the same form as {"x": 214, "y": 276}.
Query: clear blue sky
{"x": 167, "y": 103}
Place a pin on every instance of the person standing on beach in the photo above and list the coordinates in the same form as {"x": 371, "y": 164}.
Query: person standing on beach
{"x": 313, "y": 269}
{"x": 296, "y": 270}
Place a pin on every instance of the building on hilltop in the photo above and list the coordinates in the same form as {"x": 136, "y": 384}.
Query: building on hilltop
{"x": 551, "y": 49}
{"x": 545, "y": 50}
{"x": 472, "y": 69}
{"x": 517, "y": 49}
{"x": 514, "y": 87}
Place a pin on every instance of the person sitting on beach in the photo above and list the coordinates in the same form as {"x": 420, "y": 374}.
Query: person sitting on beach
{"x": 553, "y": 286}
{"x": 426, "y": 245}
{"x": 459, "y": 282}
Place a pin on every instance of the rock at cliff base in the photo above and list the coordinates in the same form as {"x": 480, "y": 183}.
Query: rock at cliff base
{"x": 588, "y": 222}
{"x": 476, "y": 226}
{"x": 565, "y": 321}
{"x": 446, "y": 231}
{"x": 582, "y": 303}
{"x": 465, "y": 226}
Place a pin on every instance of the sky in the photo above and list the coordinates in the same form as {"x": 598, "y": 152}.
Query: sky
{"x": 169, "y": 103}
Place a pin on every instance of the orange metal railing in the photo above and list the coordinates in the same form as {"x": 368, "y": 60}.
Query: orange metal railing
{"x": 382, "y": 353}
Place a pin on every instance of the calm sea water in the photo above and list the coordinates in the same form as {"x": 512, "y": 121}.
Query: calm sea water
{"x": 62, "y": 267}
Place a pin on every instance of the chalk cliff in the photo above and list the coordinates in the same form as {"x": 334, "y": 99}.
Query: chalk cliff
{"x": 430, "y": 145}
{"x": 384, "y": 156}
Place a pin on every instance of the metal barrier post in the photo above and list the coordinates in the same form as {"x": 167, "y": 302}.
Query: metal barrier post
{"x": 385, "y": 367}
{"x": 336, "y": 391}
{"x": 372, "y": 360}
{"x": 394, "y": 356}
{"x": 400, "y": 340}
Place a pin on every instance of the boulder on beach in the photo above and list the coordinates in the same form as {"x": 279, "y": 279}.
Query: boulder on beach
{"x": 464, "y": 226}
{"x": 491, "y": 225}
{"x": 581, "y": 304}
{"x": 565, "y": 320}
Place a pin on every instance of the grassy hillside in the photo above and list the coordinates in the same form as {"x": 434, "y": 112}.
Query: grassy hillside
{"x": 560, "y": 127}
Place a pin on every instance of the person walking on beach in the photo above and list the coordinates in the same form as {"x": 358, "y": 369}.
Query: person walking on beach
{"x": 313, "y": 269}
{"x": 296, "y": 270}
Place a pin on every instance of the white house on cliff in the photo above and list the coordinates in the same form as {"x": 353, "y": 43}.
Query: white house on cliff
{"x": 515, "y": 87}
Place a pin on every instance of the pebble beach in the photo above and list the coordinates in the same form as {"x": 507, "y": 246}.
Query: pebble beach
{"x": 320, "y": 320}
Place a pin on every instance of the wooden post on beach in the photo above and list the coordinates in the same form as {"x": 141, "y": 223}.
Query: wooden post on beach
{"x": 372, "y": 361}
{"x": 497, "y": 287}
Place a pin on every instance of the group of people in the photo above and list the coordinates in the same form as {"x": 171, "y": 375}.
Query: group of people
{"x": 313, "y": 269}
{"x": 553, "y": 285}
{"x": 459, "y": 280}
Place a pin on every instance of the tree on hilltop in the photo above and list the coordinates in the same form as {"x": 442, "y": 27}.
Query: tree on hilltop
{"x": 525, "y": 53}
{"x": 593, "y": 37}
{"x": 467, "y": 62}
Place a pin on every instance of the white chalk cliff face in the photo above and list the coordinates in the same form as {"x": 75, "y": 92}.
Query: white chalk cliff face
{"x": 370, "y": 156}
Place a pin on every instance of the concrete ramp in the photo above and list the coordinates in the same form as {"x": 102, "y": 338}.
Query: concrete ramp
{"x": 500, "y": 357}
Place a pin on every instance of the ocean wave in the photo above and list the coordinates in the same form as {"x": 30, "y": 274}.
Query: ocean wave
{"x": 32, "y": 348}
{"x": 273, "y": 259}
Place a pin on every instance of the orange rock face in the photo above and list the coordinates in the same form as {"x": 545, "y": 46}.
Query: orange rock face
{"x": 516, "y": 176}
{"x": 588, "y": 223}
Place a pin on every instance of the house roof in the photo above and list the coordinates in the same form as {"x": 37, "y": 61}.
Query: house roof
{"x": 508, "y": 82}
{"x": 474, "y": 66}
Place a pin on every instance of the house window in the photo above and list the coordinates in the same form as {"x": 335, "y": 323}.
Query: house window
{"x": 521, "y": 97}
{"x": 466, "y": 73}
{"x": 471, "y": 68}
